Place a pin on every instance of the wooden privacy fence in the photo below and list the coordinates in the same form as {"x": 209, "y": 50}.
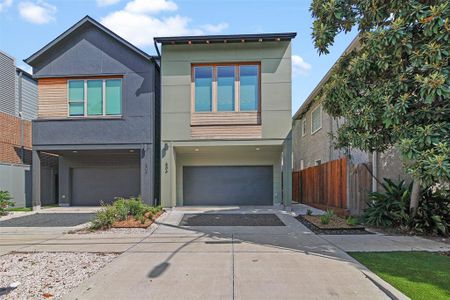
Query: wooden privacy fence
{"x": 338, "y": 185}
{"x": 323, "y": 186}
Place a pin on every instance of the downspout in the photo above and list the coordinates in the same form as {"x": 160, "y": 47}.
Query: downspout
{"x": 22, "y": 149}
{"x": 374, "y": 171}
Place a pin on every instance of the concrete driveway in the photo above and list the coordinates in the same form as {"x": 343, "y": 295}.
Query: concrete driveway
{"x": 233, "y": 262}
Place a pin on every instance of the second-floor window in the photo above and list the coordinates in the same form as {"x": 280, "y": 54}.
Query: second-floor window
{"x": 316, "y": 119}
{"x": 226, "y": 88}
{"x": 95, "y": 97}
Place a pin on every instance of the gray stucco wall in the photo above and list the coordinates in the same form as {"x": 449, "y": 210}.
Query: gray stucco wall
{"x": 17, "y": 181}
{"x": 90, "y": 52}
{"x": 319, "y": 145}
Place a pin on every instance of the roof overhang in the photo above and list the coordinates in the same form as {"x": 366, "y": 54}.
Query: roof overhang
{"x": 231, "y": 38}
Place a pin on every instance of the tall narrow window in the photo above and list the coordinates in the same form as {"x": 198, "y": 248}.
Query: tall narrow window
{"x": 225, "y": 88}
{"x": 203, "y": 77}
{"x": 113, "y": 96}
{"x": 94, "y": 97}
{"x": 76, "y": 97}
{"x": 249, "y": 88}
{"x": 316, "y": 119}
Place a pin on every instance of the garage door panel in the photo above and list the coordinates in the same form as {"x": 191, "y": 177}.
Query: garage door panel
{"x": 228, "y": 185}
{"x": 91, "y": 186}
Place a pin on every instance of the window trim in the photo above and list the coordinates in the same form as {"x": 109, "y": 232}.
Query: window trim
{"x": 304, "y": 126}
{"x": 85, "y": 100}
{"x": 214, "y": 86}
{"x": 320, "y": 117}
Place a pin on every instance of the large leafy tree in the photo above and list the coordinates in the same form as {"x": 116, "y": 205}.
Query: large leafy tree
{"x": 393, "y": 89}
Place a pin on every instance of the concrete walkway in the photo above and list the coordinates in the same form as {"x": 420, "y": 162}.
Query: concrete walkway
{"x": 284, "y": 262}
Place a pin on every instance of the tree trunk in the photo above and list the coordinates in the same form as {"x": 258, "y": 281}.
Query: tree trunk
{"x": 415, "y": 195}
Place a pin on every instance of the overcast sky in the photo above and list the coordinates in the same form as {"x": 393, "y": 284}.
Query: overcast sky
{"x": 27, "y": 25}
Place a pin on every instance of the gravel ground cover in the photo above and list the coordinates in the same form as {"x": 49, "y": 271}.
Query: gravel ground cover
{"x": 332, "y": 230}
{"x": 49, "y": 220}
{"x": 47, "y": 275}
{"x": 231, "y": 220}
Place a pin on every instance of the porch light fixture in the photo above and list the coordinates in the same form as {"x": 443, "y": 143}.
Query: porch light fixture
{"x": 257, "y": 149}
{"x": 196, "y": 150}
{"x": 131, "y": 151}
{"x": 74, "y": 151}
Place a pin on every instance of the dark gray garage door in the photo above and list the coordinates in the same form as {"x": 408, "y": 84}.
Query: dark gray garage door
{"x": 236, "y": 185}
{"x": 90, "y": 186}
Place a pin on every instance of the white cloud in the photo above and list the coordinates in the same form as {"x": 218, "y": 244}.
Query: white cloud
{"x": 150, "y": 6}
{"x": 299, "y": 66}
{"x": 5, "y": 4}
{"x": 137, "y": 23}
{"x": 215, "y": 28}
{"x": 107, "y": 2}
{"x": 38, "y": 12}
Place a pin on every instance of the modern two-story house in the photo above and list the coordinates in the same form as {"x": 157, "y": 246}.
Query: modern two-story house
{"x": 226, "y": 119}
{"x": 97, "y": 112}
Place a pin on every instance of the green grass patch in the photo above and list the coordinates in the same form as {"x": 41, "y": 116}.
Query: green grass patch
{"x": 419, "y": 275}
{"x": 19, "y": 209}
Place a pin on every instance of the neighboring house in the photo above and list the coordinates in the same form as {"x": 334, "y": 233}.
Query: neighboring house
{"x": 98, "y": 112}
{"x": 226, "y": 119}
{"x": 18, "y": 106}
{"x": 313, "y": 144}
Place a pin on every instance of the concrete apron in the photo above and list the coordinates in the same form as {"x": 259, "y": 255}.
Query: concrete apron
{"x": 216, "y": 262}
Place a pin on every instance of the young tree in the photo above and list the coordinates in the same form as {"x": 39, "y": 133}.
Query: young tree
{"x": 393, "y": 90}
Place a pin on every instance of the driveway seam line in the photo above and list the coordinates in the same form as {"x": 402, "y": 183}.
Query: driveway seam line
{"x": 232, "y": 264}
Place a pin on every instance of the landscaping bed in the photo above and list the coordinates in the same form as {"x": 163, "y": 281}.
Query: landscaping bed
{"x": 131, "y": 222}
{"x": 336, "y": 225}
{"x": 47, "y": 275}
{"x": 126, "y": 213}
{"x": 419, "y": 275}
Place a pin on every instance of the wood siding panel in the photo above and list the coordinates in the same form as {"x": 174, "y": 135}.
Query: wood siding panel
{"x": 323, "y": 186}
{"x": 226, "y": 132}
{"x": 52, "y": 98}
{"x": 226, "y": 118}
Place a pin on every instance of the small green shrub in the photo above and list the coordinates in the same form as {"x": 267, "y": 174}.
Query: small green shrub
{"x": 105, "y": 217}
{"x": 309, "y": 212}
{"x": 352, "y": 221}
{"x": 388, "y": 208}
{"x": 122, "y": 208}
{"x": 325, "y": 219}
{"x": 5, "y": 202}
{"x": 433, "y": 213}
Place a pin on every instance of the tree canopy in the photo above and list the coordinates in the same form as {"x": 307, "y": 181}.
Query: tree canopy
{"x": 393, "y": 89}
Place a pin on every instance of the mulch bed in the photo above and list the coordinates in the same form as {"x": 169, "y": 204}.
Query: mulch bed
{"x": 336, "y": 226}
{"x": 131, "y": 222}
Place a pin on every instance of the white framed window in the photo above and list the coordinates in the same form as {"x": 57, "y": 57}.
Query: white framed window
{"x": 304, "y": 127}
{"x": 94, "y": 97}
{"x": 316, "y": 119}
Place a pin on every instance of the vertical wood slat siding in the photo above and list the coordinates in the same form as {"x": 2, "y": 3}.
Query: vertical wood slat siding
{"x": 52, "y": 98}
{"x": 323, "y": 186}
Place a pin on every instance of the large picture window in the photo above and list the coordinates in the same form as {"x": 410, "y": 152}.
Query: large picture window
{"x": 95, "y": 97}
{"x": 226, "y": 87}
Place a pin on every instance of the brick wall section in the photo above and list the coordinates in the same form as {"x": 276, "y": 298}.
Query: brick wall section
{"x": 10, "y": 139}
